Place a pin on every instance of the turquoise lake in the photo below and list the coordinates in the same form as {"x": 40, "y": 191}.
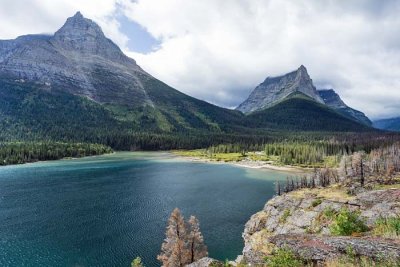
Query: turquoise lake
{"x": 106, "y": 210}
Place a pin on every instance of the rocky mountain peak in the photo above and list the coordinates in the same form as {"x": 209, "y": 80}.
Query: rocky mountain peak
{"x": 77, "y": 27}
{"x": 302, "y": 71}
{"x": 275, "y": 89}
{"x": 333, "y": 100}
{"x": 84, "y": 36}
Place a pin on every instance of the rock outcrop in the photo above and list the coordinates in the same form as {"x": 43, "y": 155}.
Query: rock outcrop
{"x": 275, "y": 89}
{"x": 79, "y": 59}
{"x": 205, "y": 262}
{"x": 321, "y": 248}
{"x": 296, "y": 220}
{"x": 333, "y": 100}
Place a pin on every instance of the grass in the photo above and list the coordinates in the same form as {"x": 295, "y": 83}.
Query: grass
{"x": 285, "y": 215}
{"x": 387, "y": 227}
{"x": 386, "y": 186}
{"x": 350, "y": 259}
{"x": 334, "y": 192}
{"x": 347, "y": 222}
{"x": 330, "y": 161}
{"x": 203, "y": 154}
{"x": 316, "y": 202}
{"x": 283, "y": 257}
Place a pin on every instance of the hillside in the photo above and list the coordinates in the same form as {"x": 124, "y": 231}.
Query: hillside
{"x": 81, "y": 64}
{"x": 275, "y": 89}
{"x": 392, "y": 124}
{"x": 333, "y": 100}
{"x": 300, "y": 112}
{"x": 77, "y": 85}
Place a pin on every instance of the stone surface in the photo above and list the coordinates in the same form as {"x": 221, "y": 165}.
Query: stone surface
{"x": 205, "y": 262}
{"x": 297, "y": 219}
{"x": 320, "y": 248}
{"x": 275, "y": 89}
{"x": 333, "y": 100}
{"x": 79, "y": 59}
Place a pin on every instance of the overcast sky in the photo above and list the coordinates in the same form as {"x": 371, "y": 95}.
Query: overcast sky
{"x": 219, "y": 50}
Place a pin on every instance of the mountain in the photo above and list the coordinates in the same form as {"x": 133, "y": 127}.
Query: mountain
{"x": 299, "y": 112}
{"x": 77, "y": 85}
{"x": 275, "y": 89}
{"x": 392, "y": 124}
{"x": 79, "y": 65}
{"x": 333, "y": 100}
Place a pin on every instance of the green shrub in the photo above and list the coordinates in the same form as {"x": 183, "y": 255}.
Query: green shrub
{"x": 283, "y": 257}
{"x": 347, "y": 222}
{"x": 137, "y": 262}
{"x": 387, "y": 227}
{"x": 285, "y": 215}
{"x": 316, "y": 202}
{"x": 329, "y": 213}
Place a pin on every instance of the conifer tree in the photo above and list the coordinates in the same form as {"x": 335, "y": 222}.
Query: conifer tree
{"x": 173, "y": 247}
{"x": 196, "y": 247}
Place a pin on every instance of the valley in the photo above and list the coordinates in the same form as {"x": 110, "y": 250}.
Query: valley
{"x": 329, "y": 173}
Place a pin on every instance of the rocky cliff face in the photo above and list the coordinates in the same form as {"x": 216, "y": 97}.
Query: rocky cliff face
{"x": 275, "y": 89}
{"x": 79, "y": 59}
{"x": 333, "y": 100}
{"x": 296, "y": 220}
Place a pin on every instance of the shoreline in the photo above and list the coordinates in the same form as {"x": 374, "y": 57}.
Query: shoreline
{"x": 53, "y": 160}
{"x": 249, "y": 164}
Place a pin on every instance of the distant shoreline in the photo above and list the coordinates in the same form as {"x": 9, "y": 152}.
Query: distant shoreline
{"x": 250, "y": 164}
{"x": 52, "y": 160}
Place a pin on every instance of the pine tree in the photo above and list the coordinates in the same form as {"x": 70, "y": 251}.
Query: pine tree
{"x": 173, "y": 247}
{"x": 196, "y": 247}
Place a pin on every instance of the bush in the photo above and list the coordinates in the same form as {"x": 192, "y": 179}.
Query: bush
{"x": 137, "y": 262}
{"x": 285, "y": 215}
{"x": 316, "y": 202}
{"x": 388, "y": 227}
{"x": 283, "y": 257}
{"x": 347, "y": 222}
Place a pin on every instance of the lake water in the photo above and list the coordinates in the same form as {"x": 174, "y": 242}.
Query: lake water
{"x": 105, "y": 211}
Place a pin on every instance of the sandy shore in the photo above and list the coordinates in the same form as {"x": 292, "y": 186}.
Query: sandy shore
{"x": 251, "y": 164}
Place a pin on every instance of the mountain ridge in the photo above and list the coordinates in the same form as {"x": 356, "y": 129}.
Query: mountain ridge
{"x": 274, "y": 89}
{"x": 390, "y": 124}
{"x": 333, "y": 100}
{"x": 78, "y": 85}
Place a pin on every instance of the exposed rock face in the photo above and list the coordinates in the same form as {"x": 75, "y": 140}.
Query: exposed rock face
{"x": 79, "y": 59}
{"x": 294, "y": 219}
{"x": 275, "y": 89}
{"x": 333, "y": 100}
{"x": 320, "y": 248}
{"x": 205, "y": 262}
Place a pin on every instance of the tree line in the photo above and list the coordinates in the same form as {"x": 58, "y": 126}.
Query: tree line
{"x": 23, "y": 152}
{"x": 359, "y": 169}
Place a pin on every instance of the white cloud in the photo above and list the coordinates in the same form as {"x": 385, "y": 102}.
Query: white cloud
{"x": 220, "y": 50}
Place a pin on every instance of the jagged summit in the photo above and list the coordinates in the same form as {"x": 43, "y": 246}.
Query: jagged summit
{"x": 78, "y": 26}
{"x": 333, "y": 100}
{"x": 275, "y": 89}
{"x": 84, "y": 35}
{"x": 79, "y": 59}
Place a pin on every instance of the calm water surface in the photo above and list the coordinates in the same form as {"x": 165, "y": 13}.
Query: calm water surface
{"x": 105, "y": 211}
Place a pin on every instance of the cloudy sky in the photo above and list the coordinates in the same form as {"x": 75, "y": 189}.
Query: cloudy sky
{"x": 219, "y": 50}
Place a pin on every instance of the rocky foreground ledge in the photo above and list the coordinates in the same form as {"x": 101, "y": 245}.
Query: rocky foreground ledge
{"x": 298, "y": 221}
